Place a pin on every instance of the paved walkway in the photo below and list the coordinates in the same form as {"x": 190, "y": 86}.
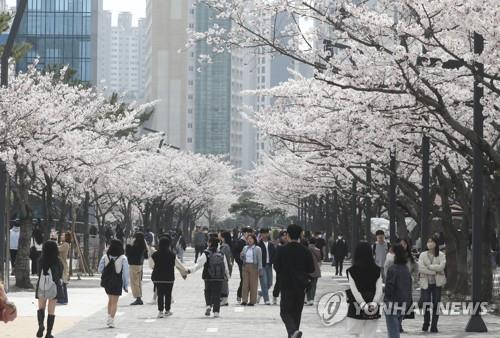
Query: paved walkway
{"x": 88, "y": 306}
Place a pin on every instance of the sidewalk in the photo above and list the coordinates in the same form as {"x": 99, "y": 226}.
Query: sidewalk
{"x": 85, "y": 316}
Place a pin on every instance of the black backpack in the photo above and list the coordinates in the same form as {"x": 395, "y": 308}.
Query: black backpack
{"x": 216, "y": 268}
{"x": 110, "y": 279}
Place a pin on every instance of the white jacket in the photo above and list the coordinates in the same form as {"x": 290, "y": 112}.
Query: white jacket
{"x": 14, "y": 238}
{"x": 430, "y": 265}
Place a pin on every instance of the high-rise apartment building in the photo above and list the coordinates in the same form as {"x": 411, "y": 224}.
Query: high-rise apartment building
{"x": 167, "y": 69}
{"x": 121, "y": 57}
{"x": 212, "y": 92}
{"x": 62, "y": 32}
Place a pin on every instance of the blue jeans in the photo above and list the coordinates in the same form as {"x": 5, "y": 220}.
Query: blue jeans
{"x": 266, "y": 281}
{"x": 392, "y": 322}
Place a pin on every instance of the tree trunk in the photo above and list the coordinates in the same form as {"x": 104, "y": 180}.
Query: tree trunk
{"x": 86, "y": 229}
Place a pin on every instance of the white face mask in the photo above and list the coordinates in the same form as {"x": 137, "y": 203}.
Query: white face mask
{"x": 340, "y": 237}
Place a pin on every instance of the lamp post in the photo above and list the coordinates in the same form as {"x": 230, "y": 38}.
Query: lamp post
{"x": 4, "y": 81}
{"x": 476, "y": 323}
{"x": 392, "y": 197}
{"x": 425, "y": 193}
{"x": 354, "y": 224}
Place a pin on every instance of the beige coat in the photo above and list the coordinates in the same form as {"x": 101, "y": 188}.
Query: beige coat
{"x": 430, "y": 265}
{"x": 63, "y": 256}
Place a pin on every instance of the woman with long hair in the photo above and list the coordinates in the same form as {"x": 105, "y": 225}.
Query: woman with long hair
{"x": 114, "y": 270}
{"x": 226, "y": 249}
{"x": 36, "y": 249}
{"x": 365, "y": 294}
{"x": 163, "y": 276}
{"x": 252, "y": 268}
{"x": 431, "y": 265}
{"x": 63, "y": 256}
{"x": 135, "y": 255}
{"x": 48, "y": 286}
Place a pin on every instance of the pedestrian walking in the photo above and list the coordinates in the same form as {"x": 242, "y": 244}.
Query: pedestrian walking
{"x": 339, "y": 251}
{"x": 282, "y": 241}
{"x": 48, "y": 287}
{"x": 180, "y": 246}
{"x": 320, "y": 243}
{"x": 135, "y": 255}
{"x": 239, "y": 243}
{"x": 119, "y": 234}
{"x": 266, "y": 277}
{"x": 36, "y": 249}
{"x": 14, "y": 245}
{"x": 215, "y": 271}
{"x": 380, "y": 249}
{"x": 398, "y": 291}
{"x": 252, "y": 269}
{"x": 293, "y": 264}
{"x": 200, "y": 243}
{"x": 225, "y": 248}
{"x": 431, "y": 265}
{"x": 163, "y": 276}
{"x": 114, "y": 270}
{"x": 316, "y": 255}
{"x": 63, "y": 256}
{"x": 365, "y": 293}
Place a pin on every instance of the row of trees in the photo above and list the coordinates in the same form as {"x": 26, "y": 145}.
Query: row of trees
{"x": 81, "y": 153}
{"x": 382, "y": 81}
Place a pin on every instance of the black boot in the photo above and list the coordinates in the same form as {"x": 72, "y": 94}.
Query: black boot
{"x": 50, "y": 325}
{"x": 41, "y": 316}
{"x": 434, "y": 323}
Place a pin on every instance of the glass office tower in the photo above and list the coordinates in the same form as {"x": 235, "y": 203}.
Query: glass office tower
{"x": 61, "y": 32}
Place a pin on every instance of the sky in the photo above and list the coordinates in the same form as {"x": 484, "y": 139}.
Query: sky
{"x": 137, "y": 7}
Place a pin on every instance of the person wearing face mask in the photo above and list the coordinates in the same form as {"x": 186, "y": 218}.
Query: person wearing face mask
{"x": 339, "y": 252}
{"x": 431, "y": 265}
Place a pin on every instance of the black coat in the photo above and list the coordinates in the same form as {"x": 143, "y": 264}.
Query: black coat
{"x": 272, "y": 250}
{"x": 292, "y": 262}
{"x": 135, "y": 256}
{"x": 339, "y": 248}
{"x": 164, "y": 266}
{"x": 237, "y": 248}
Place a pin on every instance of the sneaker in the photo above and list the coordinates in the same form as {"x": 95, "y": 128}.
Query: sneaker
{"x": 224, "y": 302}
{"x": 160, "y": 314}
{"x": 268, "y": 302}
{"x": 310, "y": 302}
{"x": 216, "y": 315}
{"x": 297, "y": 334}
{"x": 208, "y": 310}
{"x": 111, "y": 323}
{"x": 250, "y": 304}
{"x": 275, "y": 300}
{"x": 138, "y": 301}
{"x": 168, "y": 313}
{"x": 243, "y": 303}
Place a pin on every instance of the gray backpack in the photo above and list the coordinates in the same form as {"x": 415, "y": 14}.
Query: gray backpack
{"x": 47, "y": 289}
{"x": 216, "y": 267}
